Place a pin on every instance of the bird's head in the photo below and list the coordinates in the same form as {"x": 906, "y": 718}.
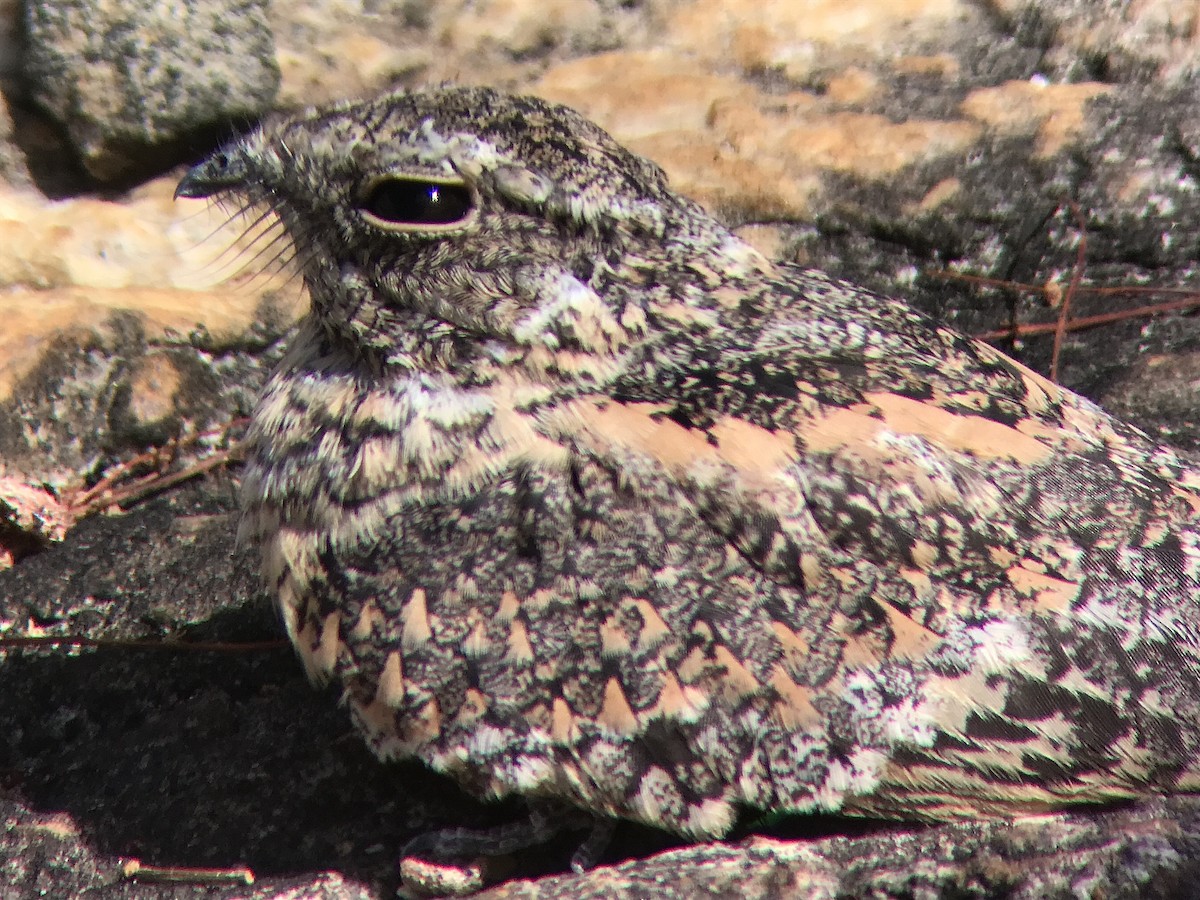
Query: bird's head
{"x": 465, "y": 230}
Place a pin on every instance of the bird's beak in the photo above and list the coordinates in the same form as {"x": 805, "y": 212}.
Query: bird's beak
{"x": 223, "y": 170}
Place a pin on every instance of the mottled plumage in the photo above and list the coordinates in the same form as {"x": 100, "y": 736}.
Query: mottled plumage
{"x": 582, "y": 498}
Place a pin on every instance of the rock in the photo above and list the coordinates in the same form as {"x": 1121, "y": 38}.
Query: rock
{"x": 1160, "y": 388}
{"x": 12, "y": 166}
{"x": 30, "y": 517}
{"x": 1117, "y": 41}
{"x": 1145, "y": 852}
{"x": 127, "y": 79}
{"x": 805, "y": 42}
{"x": 10, "y": 44}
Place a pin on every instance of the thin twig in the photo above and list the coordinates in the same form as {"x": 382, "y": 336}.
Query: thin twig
{"x": 154, "y": 483}
{"x": 1062, "y": 299}
{"x": 1083, "y": 322}
{"x": 1064, "y": 312}
{"x": 1047, "y": 291}
{"x": 136, "y": 869}
{"x": 104, "y": 493}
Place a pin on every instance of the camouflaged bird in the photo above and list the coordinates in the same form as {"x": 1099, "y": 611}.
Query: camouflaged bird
{"x": 583, "y": 499}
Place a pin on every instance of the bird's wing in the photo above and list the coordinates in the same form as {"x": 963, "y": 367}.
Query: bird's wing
{"x": 1011, "y": 570}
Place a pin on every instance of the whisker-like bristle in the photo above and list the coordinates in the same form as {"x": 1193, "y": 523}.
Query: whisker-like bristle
{"x": 274, "y": 258}
{"x": 254, "y": 226}
{"x": 244, "y": 251}
{"x": 285, "y": 251}
{"x": 220, "y": 228}
{"x": 297, "y": 268}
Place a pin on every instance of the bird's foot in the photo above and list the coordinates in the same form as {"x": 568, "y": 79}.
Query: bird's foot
{"x": 588, "y": 853}
{"x": 444, "y": 851}
{"x": 544, "y": 822}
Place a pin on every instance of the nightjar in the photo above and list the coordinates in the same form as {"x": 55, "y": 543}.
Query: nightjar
{"x": 583, "y": 499}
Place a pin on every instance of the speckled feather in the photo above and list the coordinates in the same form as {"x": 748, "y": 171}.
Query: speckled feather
{"x": 583, "y": 498}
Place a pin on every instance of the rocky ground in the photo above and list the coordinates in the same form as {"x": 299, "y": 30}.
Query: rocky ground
{"x": 915, "y": 146}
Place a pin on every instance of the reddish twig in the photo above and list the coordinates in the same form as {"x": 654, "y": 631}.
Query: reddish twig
{"x": 155, "y": 482}
{"x": 1083, "y": 322}
{"x": 1057, "y": 297}
{"x": 1064, "y": 311}
{"x": 105, "y": 492}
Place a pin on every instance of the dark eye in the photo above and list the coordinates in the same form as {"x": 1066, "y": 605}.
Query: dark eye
{"x": 416, "y": 204}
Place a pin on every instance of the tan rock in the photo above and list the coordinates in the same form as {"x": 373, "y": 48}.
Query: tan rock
{"x": 854, "y": 86}
{"x": 871, "y": 146}
{"x": 153, "y": 387}
{"x": 35, "y": 319}
{"x": 147, "y": 240}
{"x": 1054, "y": 112}
{"x": 328, "y": 50}
{"x": 332, "y": 49}
{"x": 515, "y": 25}
{"x": 636, "y": 94}
{"x": 803, "y": 36}
{"x": 739, "y": 187}
{"x": 746, "y": 153}
{"x": 662, "y": 106}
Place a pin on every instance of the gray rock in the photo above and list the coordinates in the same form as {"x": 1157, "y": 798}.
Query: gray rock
{"x": 1147, "y": 851}
{"x": 126, "y": 78}
{"x": 12, "y": 168}
{"x": 1106, "y": 39}
{"x": 10, "y": 44}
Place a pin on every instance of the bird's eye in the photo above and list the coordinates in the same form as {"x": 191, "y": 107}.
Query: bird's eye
{"x": 416, "y": 204}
